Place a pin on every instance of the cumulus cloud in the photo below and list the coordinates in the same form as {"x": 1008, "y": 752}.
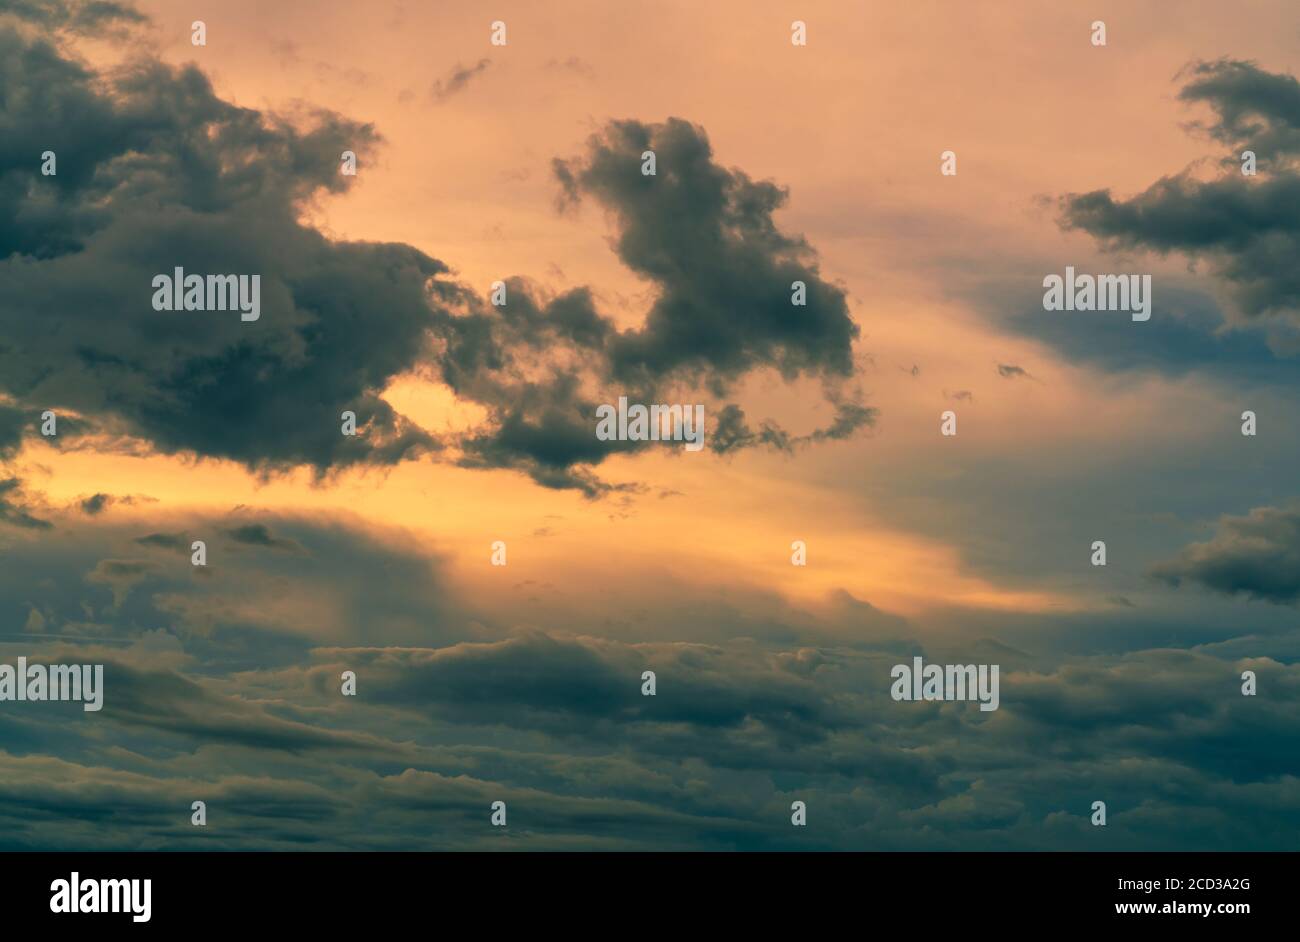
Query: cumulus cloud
{"x": 1257, "y": 555}
{"x": 157, "y": 172}
{"x": 704, "y": 235}
{"x": 1247, "y": 227}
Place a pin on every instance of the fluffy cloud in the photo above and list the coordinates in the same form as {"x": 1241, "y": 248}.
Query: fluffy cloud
{"x": 705, "y": 237}
{"x": 1257, "y": 555}
{"x": 157, "y": 172}
{"x": 1249, "y": 228}
{"x": 154, "y": 172}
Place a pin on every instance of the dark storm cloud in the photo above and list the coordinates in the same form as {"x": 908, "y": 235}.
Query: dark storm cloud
{"x": 545, "y": 427}
{"x": 1190, "y": 706}
{"x": 569, "y": 318}
{"x": 537, "y": 680}
{"x": 706, "y": 237}
{"x": 12, "y": 424}
{"x": 1187, "y": 338}
{"x": 209, "y": 700}
{"x": 154, "y": 172}
{"x": 42, "y": 807}
{"x": 1256, "y": 109}
{"x": 86, "y": 16}
{"x": 172, "y": 705}
{"x": 735, "y": 732}
{"x": 290, "y": 583}
{"x": 1257, "y": 555}
{"x": 1247, "y": 227}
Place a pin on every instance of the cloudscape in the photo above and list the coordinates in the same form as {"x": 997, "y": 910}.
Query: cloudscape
{"x": 871, "y": 432}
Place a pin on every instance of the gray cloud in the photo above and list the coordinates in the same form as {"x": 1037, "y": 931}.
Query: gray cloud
{"x": 557, "y": 728}
{"x": 705, "y": 235}
{"x": 168, "y": 540}
{"x": 155, "y": 172}
{"x": 86, "y": 16}
{"x": 457, "y": 79}
{"x": 535, "y": 680}
{"x": 13, "y": 507}
{"x": 258, "y": 534}
{"x": 95, "y": 504}
{"x": 1249, "y": 228}
{"x": 1254, "y": 108}
{"x": 12, "y": 425}
{"x": 1257, "y": 555}
{"x": 205, "y": 685}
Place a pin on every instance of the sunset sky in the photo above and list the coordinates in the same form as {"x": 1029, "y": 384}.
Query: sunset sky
{"x": 521, "y": 163}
